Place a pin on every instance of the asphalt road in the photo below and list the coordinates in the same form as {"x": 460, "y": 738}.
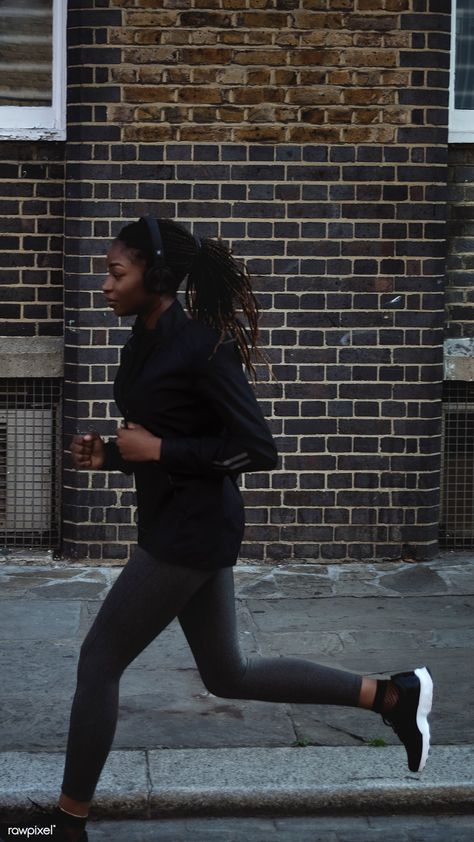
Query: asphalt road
{"x": 413, "y": 828}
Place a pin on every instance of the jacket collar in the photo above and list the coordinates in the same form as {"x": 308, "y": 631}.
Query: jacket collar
{"x": 169, "y": 322}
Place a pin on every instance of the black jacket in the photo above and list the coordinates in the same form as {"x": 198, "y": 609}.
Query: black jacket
{"x": 197, "y": 399}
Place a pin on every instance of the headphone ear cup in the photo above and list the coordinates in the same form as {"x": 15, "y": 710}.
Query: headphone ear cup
{"x": 158, "y": 280}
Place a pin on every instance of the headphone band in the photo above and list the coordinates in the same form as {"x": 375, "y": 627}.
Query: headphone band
{"x": 157, "y": 242}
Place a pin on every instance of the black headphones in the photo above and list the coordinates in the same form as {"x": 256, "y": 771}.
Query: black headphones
{"x": 158, "y": 277}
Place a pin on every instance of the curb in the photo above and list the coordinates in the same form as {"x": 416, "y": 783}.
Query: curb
{"x": 249, "y": 781}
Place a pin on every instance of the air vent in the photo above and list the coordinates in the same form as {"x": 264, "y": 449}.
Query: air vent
{"x": 457, "y": 491}
{"x": 29, "y": 463}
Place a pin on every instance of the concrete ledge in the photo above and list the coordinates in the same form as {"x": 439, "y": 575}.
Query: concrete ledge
{"x": 290, "y": 781}
{"x": 33, "y": 356}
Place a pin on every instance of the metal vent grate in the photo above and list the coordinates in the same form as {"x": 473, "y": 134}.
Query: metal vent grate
{"x": 457, "y": 485}
{"x": 29, "y": 463}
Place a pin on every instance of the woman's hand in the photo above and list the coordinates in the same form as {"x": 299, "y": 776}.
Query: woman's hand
{"x": 87, "y": 451}
{"x": 136, "y": 444}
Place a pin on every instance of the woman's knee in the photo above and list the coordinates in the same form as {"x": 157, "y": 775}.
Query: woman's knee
{"x": 227, "y": 682}
{"x": 97, "y": 663}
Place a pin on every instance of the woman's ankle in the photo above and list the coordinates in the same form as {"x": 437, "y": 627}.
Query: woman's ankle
{"x": 77, "y": 809}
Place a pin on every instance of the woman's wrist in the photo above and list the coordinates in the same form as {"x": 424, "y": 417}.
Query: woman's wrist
{"x": 157, "y": 450}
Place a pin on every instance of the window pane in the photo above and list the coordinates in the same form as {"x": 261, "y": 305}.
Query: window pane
{"x": 26, "y": 29}
{"x": 464, "y": 78}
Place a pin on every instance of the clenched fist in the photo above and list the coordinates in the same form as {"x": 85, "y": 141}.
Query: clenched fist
{"x": 88, "y": 452}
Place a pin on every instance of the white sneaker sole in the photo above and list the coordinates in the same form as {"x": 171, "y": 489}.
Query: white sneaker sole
{"x": 424, "y": 708}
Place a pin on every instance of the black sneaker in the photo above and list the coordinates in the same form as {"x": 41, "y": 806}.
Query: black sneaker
{"x": 409, "y": 717}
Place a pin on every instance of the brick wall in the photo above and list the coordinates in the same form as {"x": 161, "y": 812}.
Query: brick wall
{"x": 460, "y": 289}
{"x": 31, "y": 239}
{"x": 311, "y": 135}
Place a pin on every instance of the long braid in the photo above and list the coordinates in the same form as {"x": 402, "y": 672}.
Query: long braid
{"x": 218, "y": 287}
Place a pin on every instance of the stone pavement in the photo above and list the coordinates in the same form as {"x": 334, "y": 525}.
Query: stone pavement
{"x": 393, "y": 828}
{"x": 178, "y": 749}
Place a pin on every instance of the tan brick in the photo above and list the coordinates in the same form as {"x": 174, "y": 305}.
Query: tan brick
{"x": 230, "y": 38}
{"x": 287, "y": 39}
{"x": 368, "y": 39}
{"x": 397, "y": 39}
{"x": 368, "y": 96}
{"x": 175, "y": 114}
{"x": 260, "y": 76}
{"x": 264, "y": 57}
{"x": 204, "y": 4}
{"x": 368, "y": 134}
{"x": 339, "y": 77}
{"x": 339, "y": 115}
{"x": 199, "y": 37}
{"x": 313, "y": 77}
{"x": 178, "y": 75}
{"x": 314, "y": 134}
{"x": 314, "y": 96}
{"x": 248, "y": 96}
{"x": 218, "y": 134}
{"x": 368, "y": 78}
{"x": 397, "y": 5}
{"x": 261, "y": 114}
{"x": 231, "y": 115}
{"x": 120, "y": 113}
{"x": 400, "y": 116}
{"x": 321, "y": 58}
{"x": 148, "y": 133}
{"x": 232, "y": 76}
{"x": 370, "y": 58}
{"x": 367, "y": 115}
{"x": 311, "y": 20}
{"x": 204, "y": 75}
{"x": 124, "y": 74}
{"x": 370, "y": 5}
{"x": 201, "y": 114}
{"x": 200, "y": 95}
{"x": 315, "y": 116}
{"x": 145, "y": 115}
{"x": 206, "y": 19}
{"x": 151, "y": 55}
{"x": 397, "y": 78}
{"x": 206, "y": 55}
{"x": 286, "y": 115}
{"x": 285, "y": 78}
{"x": 147, "y": 37}
{"x": 261, "y": 134}
{"x": 155, "y": 19}
{"x": 120, "y": 35}
{"x": 144, "y": 93}
{"x": 261, "y": 38}
{"x": 181, "y": 38}
{"x": 262, "y": 20}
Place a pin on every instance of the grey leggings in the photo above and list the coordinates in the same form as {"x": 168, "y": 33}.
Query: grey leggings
{"x": 146, "y": 596}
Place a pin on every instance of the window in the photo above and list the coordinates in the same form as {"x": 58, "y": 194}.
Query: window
{"x": 461, "y": 110}
{"x": 33, "y": 69}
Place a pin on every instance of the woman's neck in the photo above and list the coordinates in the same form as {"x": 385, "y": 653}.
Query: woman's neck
{"x": 151, "y": 315}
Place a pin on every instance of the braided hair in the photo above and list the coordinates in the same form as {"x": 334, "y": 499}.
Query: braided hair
{"x": 217, "y": 286}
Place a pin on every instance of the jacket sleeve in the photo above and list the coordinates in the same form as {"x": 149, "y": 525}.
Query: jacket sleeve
{"x": 113, "y": 459}
{"x": 246, "y": 443}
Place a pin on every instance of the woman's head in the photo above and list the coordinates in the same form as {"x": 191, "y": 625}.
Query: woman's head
{"x": 217, "y": 287}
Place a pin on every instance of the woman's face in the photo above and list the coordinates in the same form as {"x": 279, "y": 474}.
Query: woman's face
{"x": 123, "y": 286}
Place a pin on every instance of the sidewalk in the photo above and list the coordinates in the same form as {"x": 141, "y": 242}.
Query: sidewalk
{"x": 179, "y": 750}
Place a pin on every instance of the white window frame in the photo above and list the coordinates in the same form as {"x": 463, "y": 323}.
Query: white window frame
{"x": 21, "y": 122}
{"x": 461, "y": 121}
